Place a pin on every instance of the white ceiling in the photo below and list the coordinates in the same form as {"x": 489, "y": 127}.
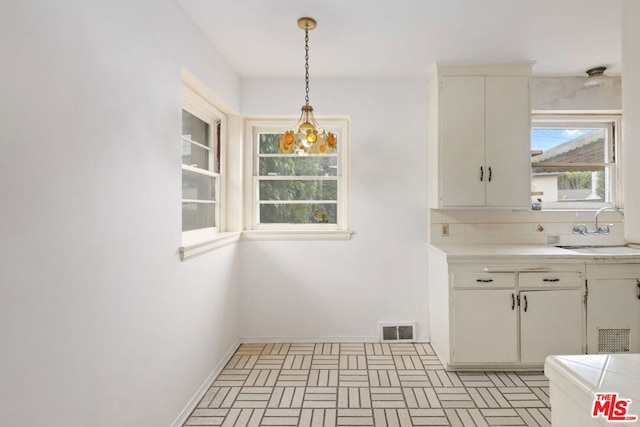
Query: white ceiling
{"x": 401, "y": 38}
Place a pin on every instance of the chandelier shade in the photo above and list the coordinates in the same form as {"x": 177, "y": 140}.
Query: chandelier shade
{"x": 307, "y": 137}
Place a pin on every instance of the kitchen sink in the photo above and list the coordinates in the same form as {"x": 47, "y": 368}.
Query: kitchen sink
{"x": 603, "y": 250}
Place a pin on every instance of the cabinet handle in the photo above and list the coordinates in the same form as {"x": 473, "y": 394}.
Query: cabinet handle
{"x": 551, "y": 280}
{"x": 481, "y": 173}
{"x": 526, "y": 304}
{"x": 490, "y": 173}
{"x": 513, "y": 301}
{"x": 638, "y": 283}
{"x": 484, "y": 280}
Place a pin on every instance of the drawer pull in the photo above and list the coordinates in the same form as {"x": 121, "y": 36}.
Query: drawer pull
{"x": 551, "y": 280}
{"x": 484, "y": 280}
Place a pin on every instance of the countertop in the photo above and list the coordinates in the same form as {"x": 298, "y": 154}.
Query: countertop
{"x": 462, "y": 252}
{"x": 584, "y": 376}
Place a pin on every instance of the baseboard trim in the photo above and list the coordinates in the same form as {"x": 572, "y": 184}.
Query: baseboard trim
{"x": 184, "y": 414}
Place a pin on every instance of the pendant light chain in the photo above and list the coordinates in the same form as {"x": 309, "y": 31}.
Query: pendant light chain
{"x": 306, "y": 65}
{"x": 307, "y": 136}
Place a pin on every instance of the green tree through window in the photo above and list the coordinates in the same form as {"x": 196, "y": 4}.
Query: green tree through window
{"x": 295, "y": 189}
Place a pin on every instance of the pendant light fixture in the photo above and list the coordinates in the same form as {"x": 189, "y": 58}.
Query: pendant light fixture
{"x": 595, "y": 77}
{"x": 307, "y": 137}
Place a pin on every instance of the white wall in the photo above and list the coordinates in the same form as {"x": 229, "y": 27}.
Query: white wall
{"x": 100, "y": 323}
{"x": 569, "y": 94}
{"x": 344, "y": 288}
{"x": 631, "y": 119}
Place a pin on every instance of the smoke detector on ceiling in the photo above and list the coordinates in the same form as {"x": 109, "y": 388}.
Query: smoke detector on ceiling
{"x": 595, "y": 77}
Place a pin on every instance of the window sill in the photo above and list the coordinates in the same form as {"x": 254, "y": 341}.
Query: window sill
{"x": 297, "y": 235}
{"x": 201, "y": 246}
{"x": 194, "y": 247}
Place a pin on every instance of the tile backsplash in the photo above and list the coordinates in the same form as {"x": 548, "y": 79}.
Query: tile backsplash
{"x": 479, "y": 226}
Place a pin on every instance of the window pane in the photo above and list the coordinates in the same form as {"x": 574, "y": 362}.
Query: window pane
{"x": 193, "y": 155}
{"x": 569, "y": 165}
{"x": 573, "y": 186}
{"x": 299, "y": 166}
{"x": 298, "y": 213}
{"x": 292, "y": 189}
{"x": 195, "y": 129}
{"x": 198, "y": 215}
{"x": 268, "y": 143}
{"x": 567, "y": 146}
{"x": 299, "y": 190}
{"x": 196, "y": 186}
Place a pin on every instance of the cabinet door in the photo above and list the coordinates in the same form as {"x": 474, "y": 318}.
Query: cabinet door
{"x": 508, "y": 141}
{"x": 485, "y": 326}
{"x": 550, "y": 323}
{"x": 613, "y": 316}
{"x": 462, "y": 141}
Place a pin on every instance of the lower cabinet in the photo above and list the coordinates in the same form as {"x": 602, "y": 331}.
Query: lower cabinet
{"x": 550, "y": 323}
{"x": 489, "y": 325}
{"x": 503, "y": 317}
{"x": 485, "y": 326}
{"x": 613, "y": 308}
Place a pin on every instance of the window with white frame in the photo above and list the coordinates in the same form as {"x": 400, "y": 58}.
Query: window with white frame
{"x": 292, "y": 192}
{"x": 574, "y": 161}
{"x": 202, "y": 132}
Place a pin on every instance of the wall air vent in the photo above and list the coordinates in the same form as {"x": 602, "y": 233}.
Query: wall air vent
{"x": 613, "y": 340}
{"x": 397, "y": 331}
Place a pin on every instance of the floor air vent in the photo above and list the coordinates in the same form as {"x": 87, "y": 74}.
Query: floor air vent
{"x": 397, "y": 331}
{"x": 613, "y": 340}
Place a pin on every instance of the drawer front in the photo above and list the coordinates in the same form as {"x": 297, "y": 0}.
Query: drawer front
{"x": 483, "y": 280}
{"x": 550, "y": 279}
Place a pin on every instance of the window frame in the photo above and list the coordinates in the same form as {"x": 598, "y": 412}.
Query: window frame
{"x": 202, "y": 240}
{"x": 611, "y": 122}
{"x": 254, "y": 230}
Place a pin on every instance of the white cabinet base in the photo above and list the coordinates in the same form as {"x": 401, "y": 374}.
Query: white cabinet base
{"x": 477, "y": 311}
{"x": 613, "y": 308}
{"x": 552, "y": 324}
{"x": 485, "y": 326}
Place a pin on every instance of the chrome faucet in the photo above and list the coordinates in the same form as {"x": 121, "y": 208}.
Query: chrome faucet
{"x": 605, "y": 229}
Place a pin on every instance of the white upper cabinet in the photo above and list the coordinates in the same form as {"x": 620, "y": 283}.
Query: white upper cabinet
{"x": 479, "y": 136}
{"x": 462, "y": 133}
